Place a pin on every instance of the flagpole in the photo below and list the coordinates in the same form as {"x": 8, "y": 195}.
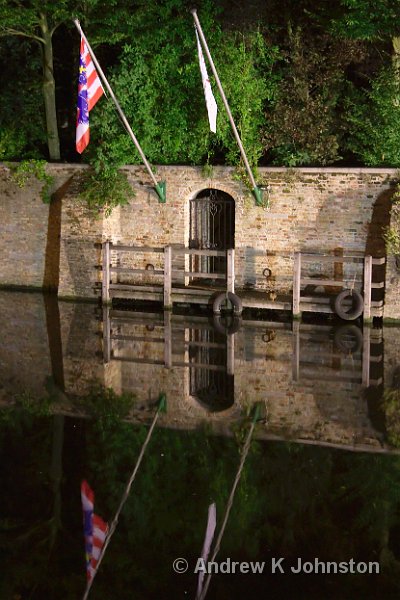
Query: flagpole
{"x": 159, "y": 187}
{"x": 161, "y": 408}
{"x": 246, "y": 448}
{"x": 256, "y": 190}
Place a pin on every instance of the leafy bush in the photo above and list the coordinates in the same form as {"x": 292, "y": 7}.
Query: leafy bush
{"x": 159, "y": 86}
{"x": 105, "y": 188}
{"x": 22, "y": 125}
{"x": 391, "y": 402}
{"x": 373, "y": 121}
{"x": 23, "y": 171}
{"x": 304, "y": 125}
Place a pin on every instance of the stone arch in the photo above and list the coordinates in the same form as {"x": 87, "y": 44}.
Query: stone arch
{"x": 211, "y": 227}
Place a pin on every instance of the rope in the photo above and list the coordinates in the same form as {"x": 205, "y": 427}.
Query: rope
{"x": 114, "y": 522}
{"x": 350, "y": 284}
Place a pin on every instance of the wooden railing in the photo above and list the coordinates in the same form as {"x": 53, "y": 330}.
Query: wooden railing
{"x": 163, "y": 338}
{"x": 169, "y": 252}
{"x": 366, "y": 285}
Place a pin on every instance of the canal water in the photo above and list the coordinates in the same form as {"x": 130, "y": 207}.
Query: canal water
{"x": 291, "y": 429}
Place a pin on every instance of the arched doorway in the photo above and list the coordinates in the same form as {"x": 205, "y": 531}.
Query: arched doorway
{"x": 212, "y": 227}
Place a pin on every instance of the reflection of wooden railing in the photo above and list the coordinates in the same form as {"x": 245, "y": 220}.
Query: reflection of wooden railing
{"x": 165, "y": 338}
{"x": 315, "y": 355}
{"x": 358, "y": 362}
{"x": 365, "y": 285}
{"x": 169, "y": 252}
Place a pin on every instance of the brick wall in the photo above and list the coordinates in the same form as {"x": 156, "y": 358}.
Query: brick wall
{"x": 310, "y": 210}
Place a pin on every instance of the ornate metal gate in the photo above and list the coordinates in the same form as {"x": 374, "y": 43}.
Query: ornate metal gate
{"x": 210, "y": 382}
{"x": 212, "y": 227}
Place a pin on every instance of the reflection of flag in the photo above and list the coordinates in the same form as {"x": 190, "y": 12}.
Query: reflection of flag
{"x": 94, "y": 529}
{"x": 210, "y": 100}
{"x": 89, "y": 91}
{"x": 211, "y": 524}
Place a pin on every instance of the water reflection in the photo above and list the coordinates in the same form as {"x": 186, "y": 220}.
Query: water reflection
{"x": 319, "y": 385}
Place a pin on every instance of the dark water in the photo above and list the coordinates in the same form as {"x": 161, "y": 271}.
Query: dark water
{"x": 321, "y": 479}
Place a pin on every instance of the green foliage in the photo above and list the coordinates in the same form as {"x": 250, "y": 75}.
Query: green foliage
{"x": 391, "y": 403}
{"x": 304, "y": 124}
{"x": 23, "y": 171}
{"x": 159, "y": 86}
{"x": 373, "y": 121}
{"x": 106, "y": 188}
{"x": 290, "y": 87}
{"x": 106, "y": 406}
{"x": 366, "y": 19}
{"x": 22, "y": 125}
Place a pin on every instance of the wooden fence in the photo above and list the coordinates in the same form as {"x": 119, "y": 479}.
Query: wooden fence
{"x": 303, "y": 303}
{"x": 169, "y": 252}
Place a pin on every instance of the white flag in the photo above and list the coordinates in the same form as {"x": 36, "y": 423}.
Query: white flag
{"x": 211, "y": 524}
{"x": 210, "y": 100}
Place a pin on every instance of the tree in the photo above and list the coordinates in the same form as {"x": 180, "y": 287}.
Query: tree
{"x": 303, "y": 126}
{"x": 372, "y": 20}
{"x": 37, "y": 21}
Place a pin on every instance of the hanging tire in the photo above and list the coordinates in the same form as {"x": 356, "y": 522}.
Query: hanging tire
{"x": 227, "y": 324}
{"x": 348, "y": 339}
{"x": 233, "y": 299}
{"x": 357, "y": 308}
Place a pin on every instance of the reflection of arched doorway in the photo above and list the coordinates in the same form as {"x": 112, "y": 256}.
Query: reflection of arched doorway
{"x": 212, "y": 227}
{"x": 210, "y": 383}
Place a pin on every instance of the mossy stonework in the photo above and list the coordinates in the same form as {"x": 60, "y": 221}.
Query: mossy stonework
{"x": 319, "y": 210}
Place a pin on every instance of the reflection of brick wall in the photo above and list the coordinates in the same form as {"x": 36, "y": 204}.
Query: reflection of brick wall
{"x": 392, "y": 357}
{"x": 320, "y": 405}
{"x": 25, "y": 362}
{"x": 81, "y": 347}
{"x": 392, "y": 292}
{"x": 311, "y": 209}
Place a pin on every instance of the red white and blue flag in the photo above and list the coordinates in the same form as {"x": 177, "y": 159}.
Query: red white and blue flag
{"x": 94, "y": 529}
{"x": 89, "y": 91}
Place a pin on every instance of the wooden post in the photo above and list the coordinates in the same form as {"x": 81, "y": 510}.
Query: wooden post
{"x": 230, "y": 354}
{"x": 338, "y": 269}
{"x": 295, "y": 350}
{"x": 106, "y": 334}
{"x": 366, "y": 355}
{"x": 296, "y": 284}
{"x": 167, "y": 339}
{"x": 167, "y": 277}
{"x": 230, "y": 266}
{"x": 367, "y": 287}
{"x": 106, "y": 273}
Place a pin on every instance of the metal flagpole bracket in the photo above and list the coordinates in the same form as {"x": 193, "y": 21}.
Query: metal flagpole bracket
{"x": 162, "y": 403}
{"x": 161, "y": 189}
{"x": 257, "y": 413}
{"x": 258, "y": 195}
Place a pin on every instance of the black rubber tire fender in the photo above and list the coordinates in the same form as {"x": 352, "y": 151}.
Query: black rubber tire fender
{"x": 227, "y": 329}
{"x": 358, "y": 305}
{"x": 342, "y": 342}
{"x": 235, "y": 301}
